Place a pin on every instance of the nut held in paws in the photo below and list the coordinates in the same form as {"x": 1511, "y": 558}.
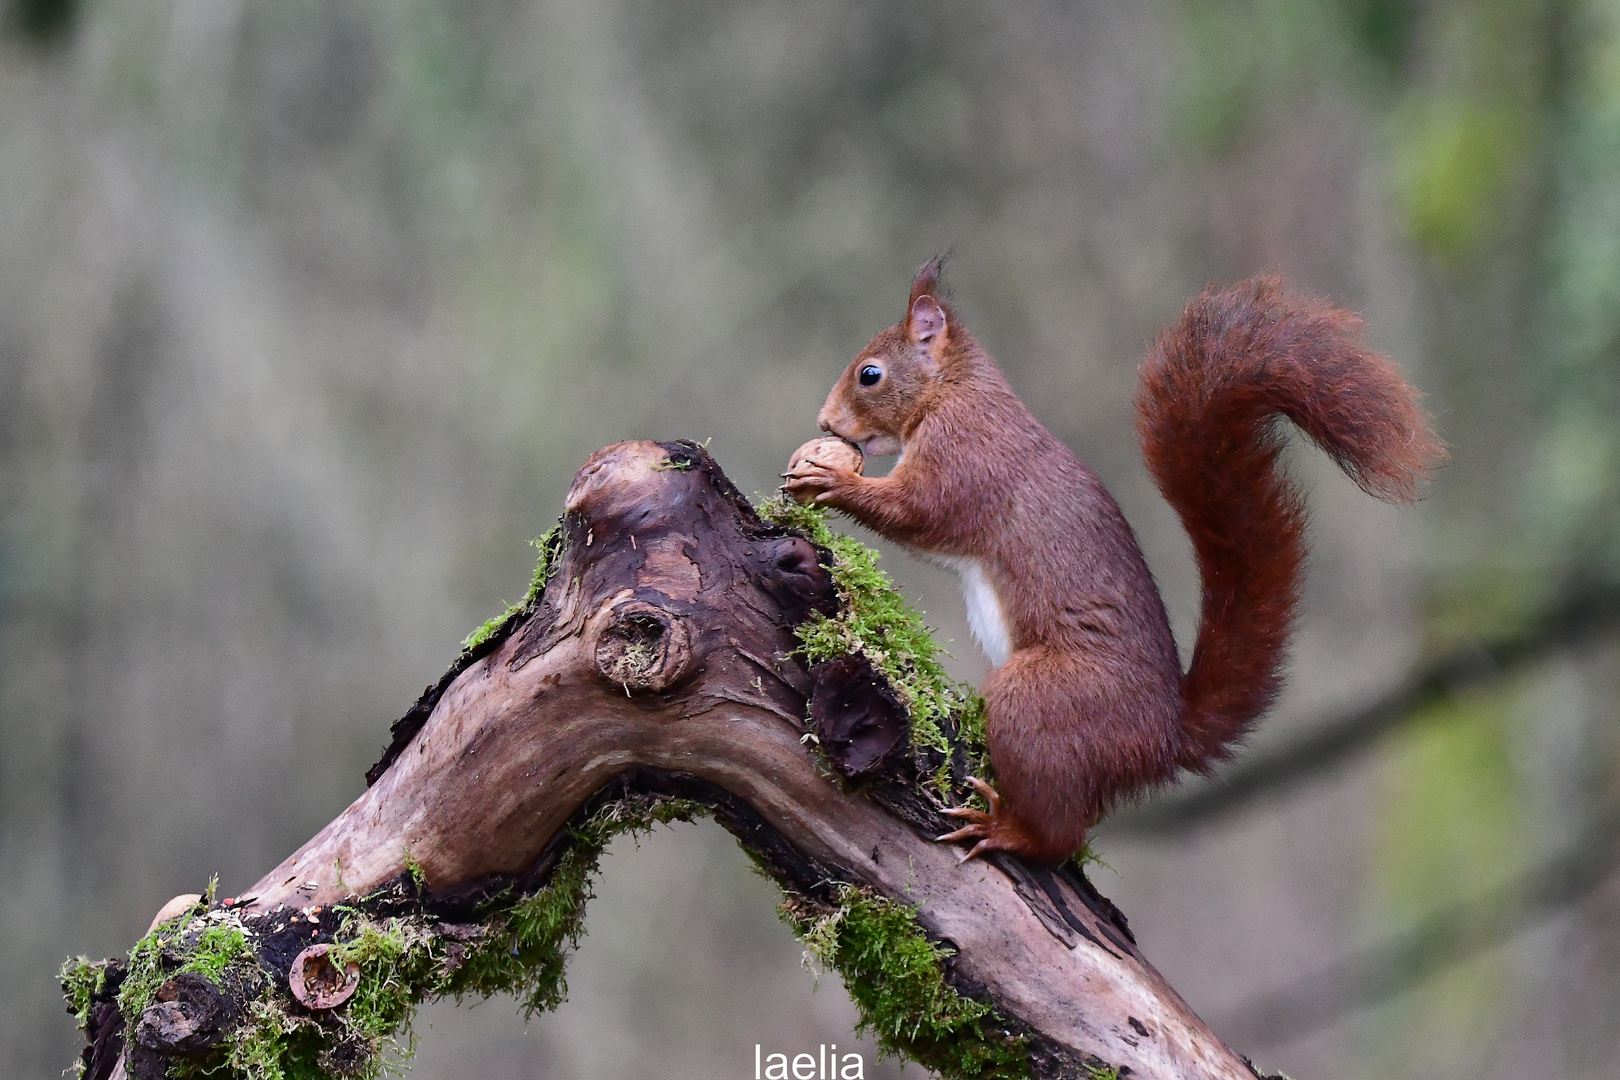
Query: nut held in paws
{"x": 830, "y": 450}
{"x": 827, "y": 452}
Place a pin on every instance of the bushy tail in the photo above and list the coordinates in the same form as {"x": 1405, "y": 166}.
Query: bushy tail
{"x": 1206, "y": 405}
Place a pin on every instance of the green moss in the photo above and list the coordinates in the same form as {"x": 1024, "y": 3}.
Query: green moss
{"x": 522, "y": 945}
{"x": 1087, "y": 856}
{"x": 208, "y": 943}
{"x": 272, "y": 1044}
{"x": 549, "y": 546}
{"x": 524, "y": 950}
{"x": 368, "y": 1035}
{"x": 1102, "y": 1072}
{"x": 81, "y": 979}
{"x": 970, "y": 737}
{"x": 414, "y": 869}
{"x": 1267, "y": 1074}
{"x": 488, "y": 628}
{"x": 896, "y": 976}
{"x": 874, "y": 620}
{"x": 217, "y": 948}
{"x": 401, "y": 962}
{"x": 525, "y": 947}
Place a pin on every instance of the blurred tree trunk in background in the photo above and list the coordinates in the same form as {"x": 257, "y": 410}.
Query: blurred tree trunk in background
{"x": 309, "y": 312}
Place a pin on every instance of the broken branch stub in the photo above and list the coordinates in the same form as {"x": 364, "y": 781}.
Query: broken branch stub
{"x": 187, "y": 1019}
{"x": 654, "y": 675}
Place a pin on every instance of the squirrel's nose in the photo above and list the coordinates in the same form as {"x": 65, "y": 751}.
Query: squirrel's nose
{"x": 826, "y": 424}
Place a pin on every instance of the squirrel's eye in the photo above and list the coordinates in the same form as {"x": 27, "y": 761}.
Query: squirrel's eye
{"x": 870, "y": 374}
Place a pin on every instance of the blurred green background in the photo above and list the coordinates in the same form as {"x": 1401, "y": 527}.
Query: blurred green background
{"x": 310, "y": 310}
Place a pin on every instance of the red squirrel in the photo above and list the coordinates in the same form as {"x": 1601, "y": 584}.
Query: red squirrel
{"x": 1087, "y": 702}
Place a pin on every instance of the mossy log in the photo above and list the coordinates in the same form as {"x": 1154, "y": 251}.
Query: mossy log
{"x": 678, "y": 655}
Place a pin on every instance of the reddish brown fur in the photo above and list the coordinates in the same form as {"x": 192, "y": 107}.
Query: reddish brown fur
{"x": 1091, "y": 706}
{"x": 1205, "y": 404}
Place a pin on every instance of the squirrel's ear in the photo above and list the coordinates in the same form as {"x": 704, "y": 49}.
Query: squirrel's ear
{"x": 925, "y": 324}
{"x": 926, "y": 321}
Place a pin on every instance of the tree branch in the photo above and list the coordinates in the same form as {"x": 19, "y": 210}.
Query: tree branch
{"x": 654, "y": 673}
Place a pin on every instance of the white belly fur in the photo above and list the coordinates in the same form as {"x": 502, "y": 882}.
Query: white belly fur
{"x": 983, "y": 609}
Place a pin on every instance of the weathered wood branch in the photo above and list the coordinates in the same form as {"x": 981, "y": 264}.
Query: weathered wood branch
{"x": 657, "y": 668}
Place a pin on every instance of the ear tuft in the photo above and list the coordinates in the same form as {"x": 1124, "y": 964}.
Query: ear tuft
{"x": 926, "y": 283}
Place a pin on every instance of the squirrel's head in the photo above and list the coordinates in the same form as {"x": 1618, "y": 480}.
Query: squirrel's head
{"x": 886, "y": 388}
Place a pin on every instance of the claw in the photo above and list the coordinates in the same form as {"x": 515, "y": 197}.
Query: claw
{"x": 983, "y": 847}
{"x": 991, "y": 796}
{"x": 966, "y": 832}
{"x": 981, "y": 824}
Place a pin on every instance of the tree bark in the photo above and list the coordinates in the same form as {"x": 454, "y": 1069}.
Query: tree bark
{"x": 660, "y": 662}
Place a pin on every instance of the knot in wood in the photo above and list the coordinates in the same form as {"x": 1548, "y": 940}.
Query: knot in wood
{"x": 318, "y": 983}
{"x": 643, "y": 648}
{"x": 187, "y": 1018}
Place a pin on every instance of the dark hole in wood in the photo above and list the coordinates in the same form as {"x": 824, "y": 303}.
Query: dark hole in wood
{"x": 859, "y": 720}
{"x": 791, "y": 572}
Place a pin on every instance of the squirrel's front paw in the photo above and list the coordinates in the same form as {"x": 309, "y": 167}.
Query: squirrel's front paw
{"x": 820, "y": 466}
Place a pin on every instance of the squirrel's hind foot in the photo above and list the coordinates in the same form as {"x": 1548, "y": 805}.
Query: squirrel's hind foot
{"x": 995, "y": 829}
